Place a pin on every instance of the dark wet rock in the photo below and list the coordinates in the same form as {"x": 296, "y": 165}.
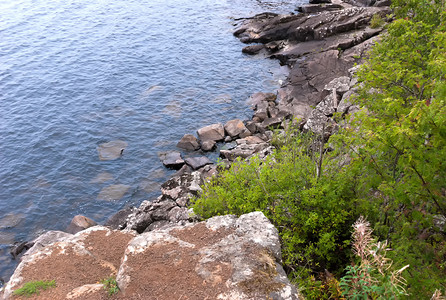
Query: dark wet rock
{"x": 158, "y": 225}
{"x": 253, "y": 49}
{"x": 251, "y": 126}
{"x": 172, "y": 160}
{"x": 361, "y": 3}
{"x": 235, "y": 127}
{"x": 20, "y": 247}
{"x": 214, "y": 132}
{"x": 198, "y": 162}
{"x": 208, "y": 145}
{"x": 319, "y": 1}
{"x": 79, "y": 223}
{"x": 183, "y": 171}
{"x": 113, "y": 192}
{"x": 188, "y": 142}
{"x": 118, "y": 220}
{"x": 317, "y": 8}
{"x": 160, "y": 210}
{"x": 111, "y": 150}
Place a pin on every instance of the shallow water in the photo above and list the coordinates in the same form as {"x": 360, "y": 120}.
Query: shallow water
{"x": 77, "y": 74}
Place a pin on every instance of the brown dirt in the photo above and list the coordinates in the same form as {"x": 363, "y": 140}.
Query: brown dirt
{"x": 71, "y": 270}
{"x": 166, "y": 272}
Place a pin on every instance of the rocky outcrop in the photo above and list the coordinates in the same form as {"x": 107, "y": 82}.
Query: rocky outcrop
{"x": 321, "y": 47}
{"x": 222, "y": 258}
{"x": 73, "y": 261}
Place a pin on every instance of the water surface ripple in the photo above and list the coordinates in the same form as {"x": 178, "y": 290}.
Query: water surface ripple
{"x": 75, "y": 74}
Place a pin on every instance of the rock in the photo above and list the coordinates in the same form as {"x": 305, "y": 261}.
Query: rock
{"x": 260, "y": 97}
{"x": 222, "y": 258}
{"x": 340, "y": 84}
{"x": 317, "y": 8}
{"x": 48, "y": 238}
{"x": 18, "y": 247}
{"x": 253, "y": 49}
{"x": 118, "y": 220}
{"x": 79, "y": 223}
{"x": 234, "y": 128}
{"x": 319, "y": 1}
{"x": 243, "y": 151}
{"x": 73, "y": 261}
{"x": 86, "y": 290}
{"x": 214, "y": 132}
{"x": 188, "y": 142}
{"x": 272, "y": 122}
{"x": 172, "y": 160}
{"x": 250, "y": 140}
{"x": 111, "y": 150}
{"x": 208, "y": 145}
{"x": 198, "y": 162}
{"x": 113, "y": 192}
{"x": 251, "y": 126}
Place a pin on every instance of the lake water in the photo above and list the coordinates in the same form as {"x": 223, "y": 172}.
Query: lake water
{"x": 77, "y": 73}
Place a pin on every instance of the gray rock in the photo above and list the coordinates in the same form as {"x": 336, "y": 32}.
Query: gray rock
{"x": 172, "y": 160}
{"x": 317, "y": 8}
{"x": 79, "y": 223}
{"x": 319, "y": 1}
{"x": 208, "y": 145}
{"x": 214, "y": 132}
{"x": 248, "y": 246}
{"x": 272, "y": 122}
{"x": 188, "y": 142}
{"x": 253, "y": 49}
{"x": 198, "y": 162}
{"x": 234, "y": 127}
{"x": 242, "y": 150}
{"x": 118, "y": 220}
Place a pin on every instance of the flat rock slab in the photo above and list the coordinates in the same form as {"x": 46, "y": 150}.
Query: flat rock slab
{"x": 198, "y": 162}
{"x": 223, "y": 258}
{"x": 172, "y": 160}
{"x": 111, "y": 150}
{"x": 73, "y": 261}
{"x": 113, "y": 192}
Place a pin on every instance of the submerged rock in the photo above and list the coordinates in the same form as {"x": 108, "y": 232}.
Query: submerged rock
{"x": 113, "y": 192}
{"x": 111, "y": 150}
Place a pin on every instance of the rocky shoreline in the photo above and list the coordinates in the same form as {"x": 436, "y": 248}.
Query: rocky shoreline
{"x": 321, "y": 46}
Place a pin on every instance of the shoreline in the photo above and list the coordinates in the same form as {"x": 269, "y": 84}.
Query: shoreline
{"x": 318, "y": 85}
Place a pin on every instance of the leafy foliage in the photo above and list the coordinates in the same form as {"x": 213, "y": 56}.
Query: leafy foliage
{"x": 34, "y": 288}
{"x": 110, "y": 285}
{"x": 312, "y": 213}
{"x": 387, "y": 163}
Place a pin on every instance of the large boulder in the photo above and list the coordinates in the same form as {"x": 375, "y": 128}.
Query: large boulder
{"x": 235, "y": 127}
{"x": 214, "y": 132}
{"x": 223, "y": 258}
{"x": 73, "y": 261}
{"x": 188, "y": 142}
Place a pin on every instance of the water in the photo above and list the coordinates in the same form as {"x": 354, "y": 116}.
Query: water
{"x": 77, "y": 73}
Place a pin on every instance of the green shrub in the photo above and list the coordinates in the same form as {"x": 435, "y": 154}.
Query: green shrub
{"x": 110, "y": 285}
{"x": 376, "y": 21}
{"x": 313, "y": 213}
{"x": 34, "y": 287}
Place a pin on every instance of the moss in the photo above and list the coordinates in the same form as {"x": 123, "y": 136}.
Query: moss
{"x": 34, "y": 287}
